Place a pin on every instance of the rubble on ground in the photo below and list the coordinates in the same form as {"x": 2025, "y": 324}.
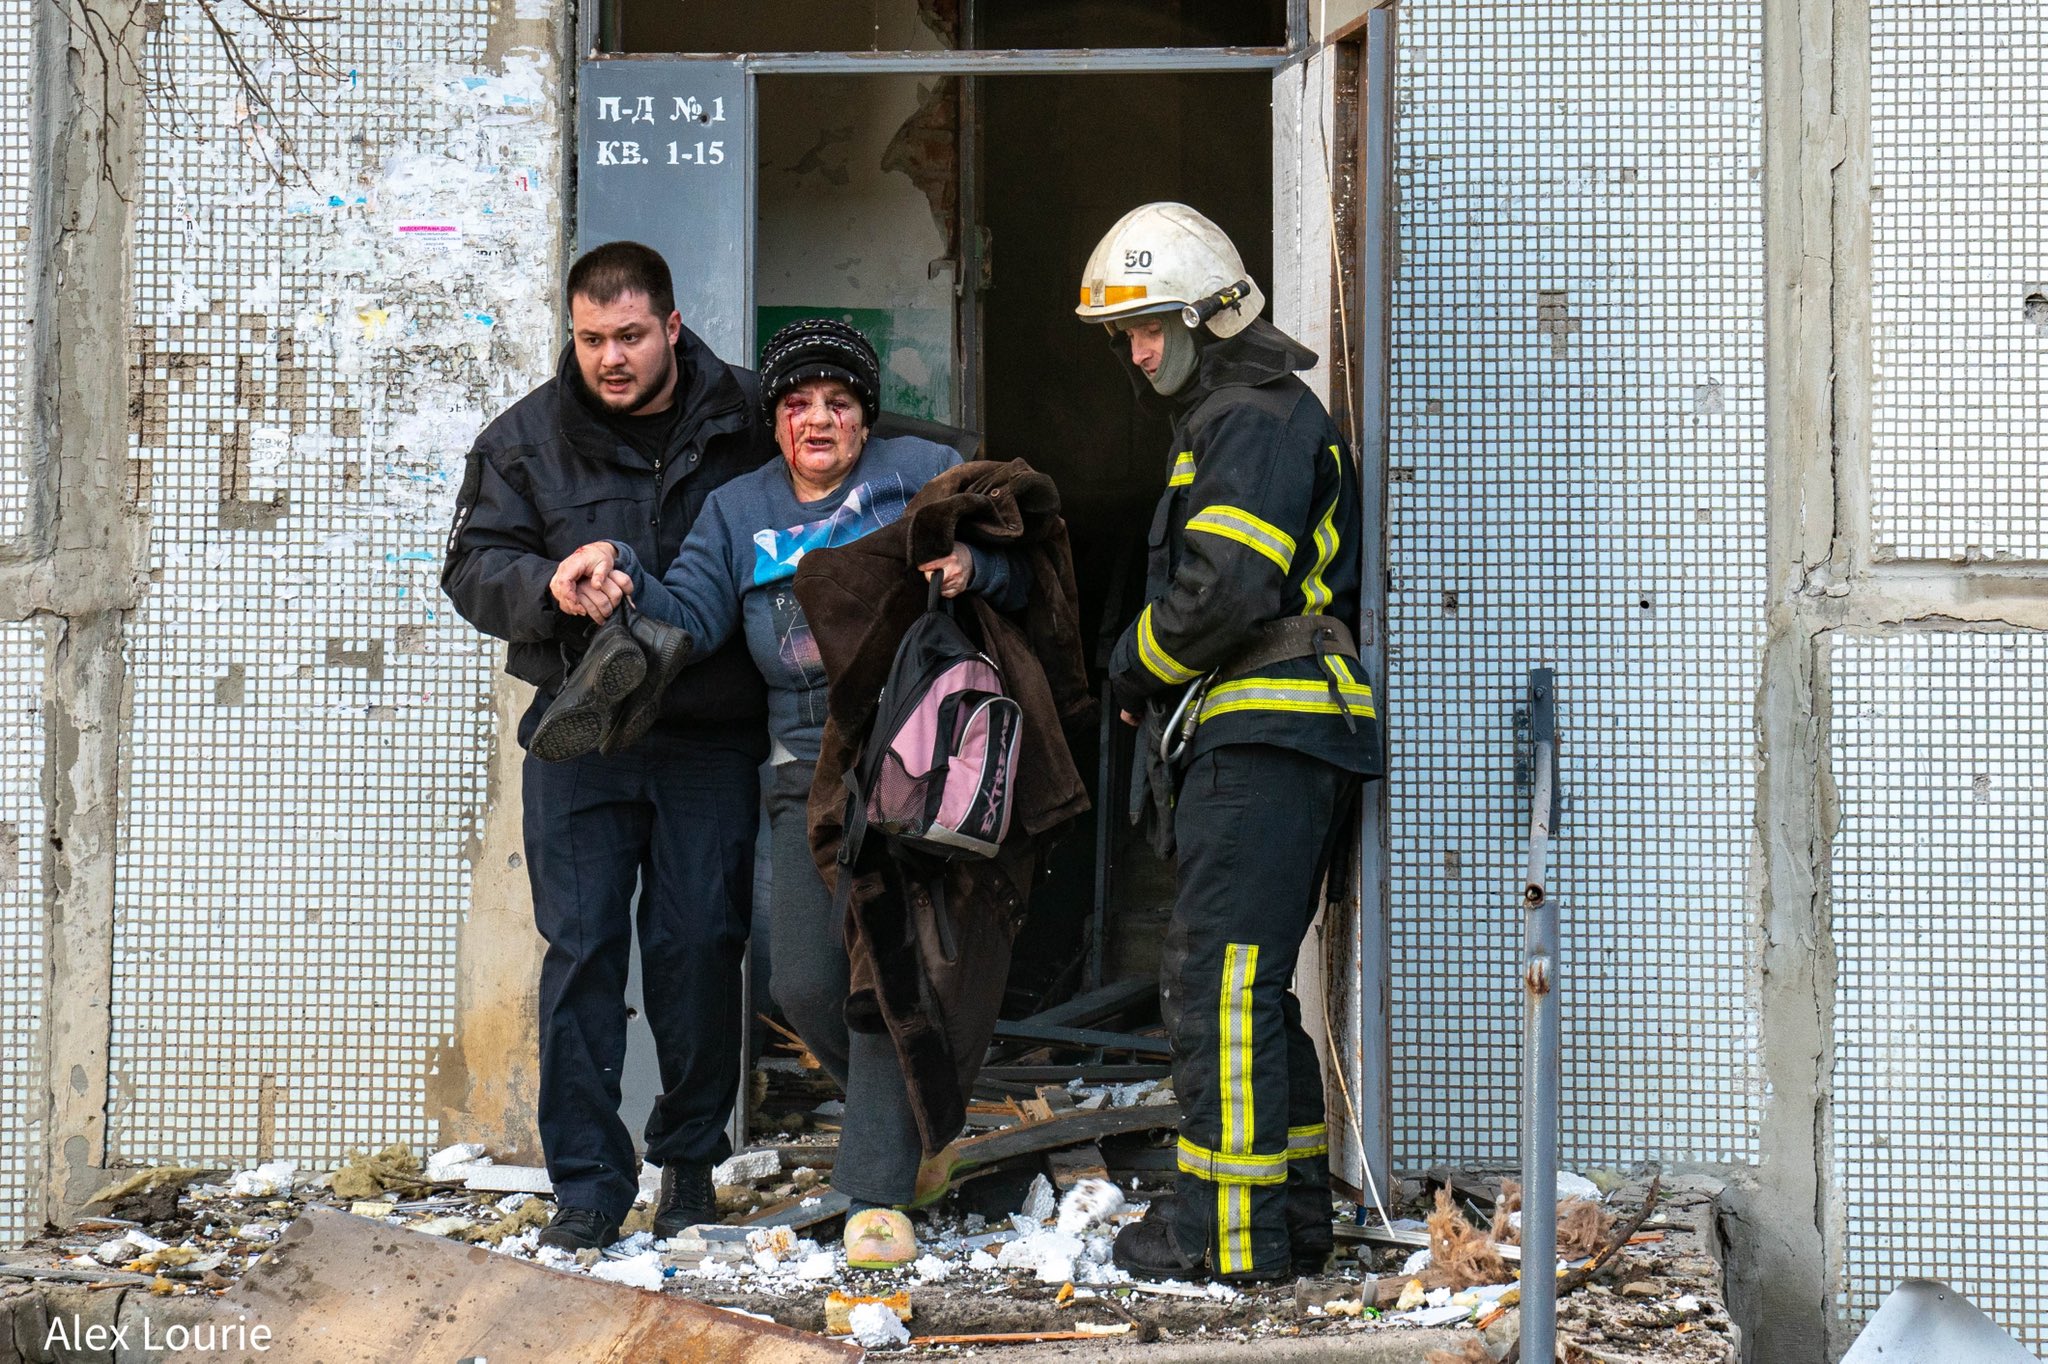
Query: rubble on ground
{"x": 1023, "y": 1253}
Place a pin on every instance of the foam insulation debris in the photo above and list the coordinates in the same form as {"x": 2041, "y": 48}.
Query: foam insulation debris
{"x": 1003, "y": 1258}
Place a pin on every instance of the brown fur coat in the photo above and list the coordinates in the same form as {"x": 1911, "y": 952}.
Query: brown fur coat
{"x": 940, "y": 1009}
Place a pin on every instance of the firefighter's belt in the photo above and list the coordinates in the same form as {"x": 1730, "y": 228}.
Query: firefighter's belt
{"x": 1311, "y": 636}
{"x": 1292, "y": 637}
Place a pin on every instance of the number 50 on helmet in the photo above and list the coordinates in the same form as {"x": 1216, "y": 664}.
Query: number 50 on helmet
{"x": 1167, "y": 258}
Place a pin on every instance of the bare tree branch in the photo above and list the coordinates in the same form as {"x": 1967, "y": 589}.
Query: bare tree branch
{"x": 294, "y": 41}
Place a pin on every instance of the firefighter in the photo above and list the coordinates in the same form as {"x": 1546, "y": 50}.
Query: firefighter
{"x": 1243, "y": 669}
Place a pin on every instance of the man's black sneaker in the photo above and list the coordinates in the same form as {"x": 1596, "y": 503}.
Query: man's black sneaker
{"x": 611, "y": 667}
{"x": 666, "y": 648}
{"x": 687, "y": 1200}
{"x": 574, "y": 1229}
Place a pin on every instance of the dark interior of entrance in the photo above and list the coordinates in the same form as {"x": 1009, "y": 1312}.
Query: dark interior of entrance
{"x": 964, "y": 268}
{"x": 1065, "y": 157}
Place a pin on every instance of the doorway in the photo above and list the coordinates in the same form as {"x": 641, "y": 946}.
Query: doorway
{"x": 861, "y": 186}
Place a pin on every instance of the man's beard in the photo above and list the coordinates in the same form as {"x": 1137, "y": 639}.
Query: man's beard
{"x": 637, "y": 399}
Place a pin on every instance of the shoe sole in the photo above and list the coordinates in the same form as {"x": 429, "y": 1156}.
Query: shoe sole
{"x": 571, "y": 733}
{"x": 637, "y": 714}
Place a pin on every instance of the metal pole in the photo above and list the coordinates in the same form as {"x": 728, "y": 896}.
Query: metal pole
{"x": 1540, "y": 959}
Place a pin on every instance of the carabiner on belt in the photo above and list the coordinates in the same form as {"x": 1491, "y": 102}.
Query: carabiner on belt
{"x": 1180, "y": 727}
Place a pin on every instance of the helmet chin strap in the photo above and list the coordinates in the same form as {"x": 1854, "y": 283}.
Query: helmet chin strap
{"x": 1176, "y": 361}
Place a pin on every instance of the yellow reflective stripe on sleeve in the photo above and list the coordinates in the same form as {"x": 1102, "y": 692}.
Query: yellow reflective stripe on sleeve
{"x": 1235, "y": 523}
{"x": 1183, "y": 470}
{"x": 1315, "y": 593}
{"x": 1286, "y": 694}
{"x": 1242, "y": 1168}
{"x": 1303, "y": 1142}
{"x": 1157, "y": 661}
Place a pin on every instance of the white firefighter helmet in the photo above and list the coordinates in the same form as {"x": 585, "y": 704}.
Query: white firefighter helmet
{"x": 1166, "y": 257}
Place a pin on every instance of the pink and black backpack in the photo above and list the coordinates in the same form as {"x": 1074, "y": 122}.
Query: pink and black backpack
{"x": 938, "y": 771}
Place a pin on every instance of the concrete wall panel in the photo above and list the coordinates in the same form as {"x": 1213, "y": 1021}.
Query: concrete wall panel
{"x": 327, "y": 311}
{"x": 1939, "y": 885}
{"x": 21, "y": 929}
{"x": 17, "y": 190}
{"x": 1577, "y": 480}
{"x": 1959, "y": 273}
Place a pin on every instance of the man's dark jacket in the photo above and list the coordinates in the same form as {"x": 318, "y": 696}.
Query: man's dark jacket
{"x": 549, "y": 476}
{"x": 937, "y": 987}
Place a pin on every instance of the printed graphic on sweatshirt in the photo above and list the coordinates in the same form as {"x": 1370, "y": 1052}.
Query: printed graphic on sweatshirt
{"x": 798, "y": 649}
{"x": 870, "y": 506}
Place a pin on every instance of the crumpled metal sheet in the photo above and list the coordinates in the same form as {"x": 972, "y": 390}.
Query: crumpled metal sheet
{"x": 338, "y": 1287}
{"x": 1925, "y": 1322}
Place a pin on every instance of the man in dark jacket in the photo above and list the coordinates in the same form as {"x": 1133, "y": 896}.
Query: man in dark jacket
{"x": 639, "y": 424}
{"x": 1245, "y": 646}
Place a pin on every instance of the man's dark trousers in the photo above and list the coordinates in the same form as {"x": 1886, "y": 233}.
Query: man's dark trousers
{"x": 678, "y": 814}
{"x": 1256, "y": 827}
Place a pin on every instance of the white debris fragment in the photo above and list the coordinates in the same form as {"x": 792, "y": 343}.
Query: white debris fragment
{"x": 931, "y": 1269}
{"x": 639, "y": 1243}
{"x": 1039, "y": 1200}
{"x": 981, "y": 1259}
{"x": 512, "y": 1203}
{"x": 554, "y": 1257}
{"x": 1221, "y": 1292}
{"x": 1435, "y": 1316}
{"x": 505, "y": 1178}
{"x": 635, "y": 1271}
{"x": 448, "y": 1157}
{"x": 442, "y": 1226}
{"x": 1688, "y": 1303}
{"x": 746, "y": 1167}
{"x": 777, "y": 1241}
{"x": 817, "y": 1266}
{"x": 1048, "y": 1254}
{"x": 875, "y": 1326}
{"x": 1415, "y": 1263}
{"x": 1438, "y": 1297}
{"x": 1088, "y": 1205}
{"x": 650, "y": 1184}
{"x": 267, "y": 1180}
{"x": 114, "y": 1252}
{"x": 1576, "y": 1186}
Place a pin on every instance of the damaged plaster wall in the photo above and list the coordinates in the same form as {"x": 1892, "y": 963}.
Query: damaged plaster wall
{"x": 856, "y": 220}
{"x": 310, "y": 723}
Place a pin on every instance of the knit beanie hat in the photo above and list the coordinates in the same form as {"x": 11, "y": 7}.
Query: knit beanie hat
{"x": 815, "y": 348}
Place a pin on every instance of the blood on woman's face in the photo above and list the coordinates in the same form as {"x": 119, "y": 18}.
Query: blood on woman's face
{"x": 820, "y": 429}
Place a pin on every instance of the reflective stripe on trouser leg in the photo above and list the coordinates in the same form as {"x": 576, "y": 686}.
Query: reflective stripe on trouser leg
{"x": 1251, "y": 822}
{"x": 1240, "y": 1113}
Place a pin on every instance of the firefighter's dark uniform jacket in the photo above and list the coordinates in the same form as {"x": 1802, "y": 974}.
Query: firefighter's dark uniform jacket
{"x": 548, "y": 476}
{"x": 1258, "y": 522}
